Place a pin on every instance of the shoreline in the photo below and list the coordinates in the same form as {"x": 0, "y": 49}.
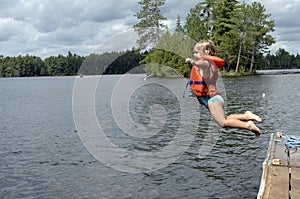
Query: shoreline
{"x": 222, "y": 73}
{"x": 277, "y": 72}
{"x": 260, "y": 72}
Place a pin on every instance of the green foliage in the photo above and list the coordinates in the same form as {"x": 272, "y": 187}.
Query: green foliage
{"x": 72, "y": 64}
{"x": 112, "y": 63}
{"x": 258, "y": 38}
{"x": 21, "y": 66}
{"x": 281, "y": 60}
{"x": 28, "y": 66}
{"x": 222, "y": 12}
{"x": 168, "y": 61}
{"x": 63, "y": 65}
{"x": 199, "y": 21}
{"x": 179, "y": 27}
{"x": 128, "y": 62}
{"x": 171, "y": 51}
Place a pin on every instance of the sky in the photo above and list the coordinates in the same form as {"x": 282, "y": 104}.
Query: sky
{"x": 51, "y": 27}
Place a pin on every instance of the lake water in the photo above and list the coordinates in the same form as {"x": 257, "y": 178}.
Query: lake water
{"x": 45, "y": 151}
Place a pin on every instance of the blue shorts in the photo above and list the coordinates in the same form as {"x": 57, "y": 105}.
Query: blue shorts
{"x": 208, "y": 100}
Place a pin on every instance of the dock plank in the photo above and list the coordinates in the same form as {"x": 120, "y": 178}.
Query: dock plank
{"x": 295, "y": 182}
{"x": 279, "y": 153}
{"x": 295, "y": 158}
{"x": 279, "y": 183}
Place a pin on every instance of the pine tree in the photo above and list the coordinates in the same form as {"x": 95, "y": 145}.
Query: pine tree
{"x": 199, "y": 21}
{"x": 242, "y": 22}
{"x": 222, "y": 13}
{"x": 150, "y": 26}
{"x": 179, "y": 27}
{"x": 258, "y": 31}
{"x": 222, "y": 33}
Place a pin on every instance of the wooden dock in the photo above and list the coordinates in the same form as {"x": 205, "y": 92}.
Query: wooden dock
{"x": 281, "y": 171}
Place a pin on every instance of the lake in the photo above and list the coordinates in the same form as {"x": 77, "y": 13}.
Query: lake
{"x": 126, "y": 137}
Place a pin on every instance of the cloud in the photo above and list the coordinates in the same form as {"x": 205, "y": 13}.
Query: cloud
{"x": 7, "y": 26}
{"x": 287, "y": 27}
{"x": 108, "y": 10}
{"x": 60, "y": 25}
{"x": 51, "y": 27}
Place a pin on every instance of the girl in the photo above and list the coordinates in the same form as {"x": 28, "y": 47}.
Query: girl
{"x": 203, "y": 81}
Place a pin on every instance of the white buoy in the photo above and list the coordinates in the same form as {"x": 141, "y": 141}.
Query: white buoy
{"x": 263, "y": 95}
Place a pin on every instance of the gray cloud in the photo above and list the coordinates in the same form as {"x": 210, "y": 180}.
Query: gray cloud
{"x": 109, "y": 10}
{"x": 287, "y": 25}
{"x": 54, "y": 27}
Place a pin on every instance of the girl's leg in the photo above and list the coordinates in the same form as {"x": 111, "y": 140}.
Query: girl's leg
{"x": 217, "y": 111}
{"x": 248, "y": 115}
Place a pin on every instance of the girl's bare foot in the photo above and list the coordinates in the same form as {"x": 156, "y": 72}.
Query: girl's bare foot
{"x": 252, "y": 127}
{"x": 252, "y": 116}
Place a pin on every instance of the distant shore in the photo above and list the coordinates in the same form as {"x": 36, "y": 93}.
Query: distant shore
{"x": 260, "y": 72}
{"x": 277, "y": 72}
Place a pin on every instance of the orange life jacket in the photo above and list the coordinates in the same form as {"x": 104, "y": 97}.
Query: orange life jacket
{"x": 206, "y": 87}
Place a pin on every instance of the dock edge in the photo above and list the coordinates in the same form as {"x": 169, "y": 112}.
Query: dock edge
{"x": 267, "y": 161}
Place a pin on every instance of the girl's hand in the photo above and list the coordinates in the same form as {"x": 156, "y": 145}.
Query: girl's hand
{"x": 189, "y": 60}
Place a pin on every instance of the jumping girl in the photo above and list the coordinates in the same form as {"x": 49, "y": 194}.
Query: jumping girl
{"x": 203, "y": 81}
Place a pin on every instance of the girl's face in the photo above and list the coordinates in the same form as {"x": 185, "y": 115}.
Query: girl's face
{"x": 197, "y": 54}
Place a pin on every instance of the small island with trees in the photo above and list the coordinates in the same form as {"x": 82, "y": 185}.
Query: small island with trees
{"x": 240, "y": 31}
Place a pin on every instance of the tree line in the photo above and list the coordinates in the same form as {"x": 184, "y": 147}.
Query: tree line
{"x": 280, "y": 60}
{"x": 72, "y": 64}
{"x": 29, "y": 65}
{"x": 122, "y": 62}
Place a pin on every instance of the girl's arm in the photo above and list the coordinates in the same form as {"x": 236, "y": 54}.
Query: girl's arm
{"x": 203, "y": 64}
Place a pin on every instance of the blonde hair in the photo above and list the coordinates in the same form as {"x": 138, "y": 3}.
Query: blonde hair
{"x": 206, "y": 47}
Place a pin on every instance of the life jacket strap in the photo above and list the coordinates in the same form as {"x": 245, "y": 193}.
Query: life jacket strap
{"x": 190, "y": 82}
